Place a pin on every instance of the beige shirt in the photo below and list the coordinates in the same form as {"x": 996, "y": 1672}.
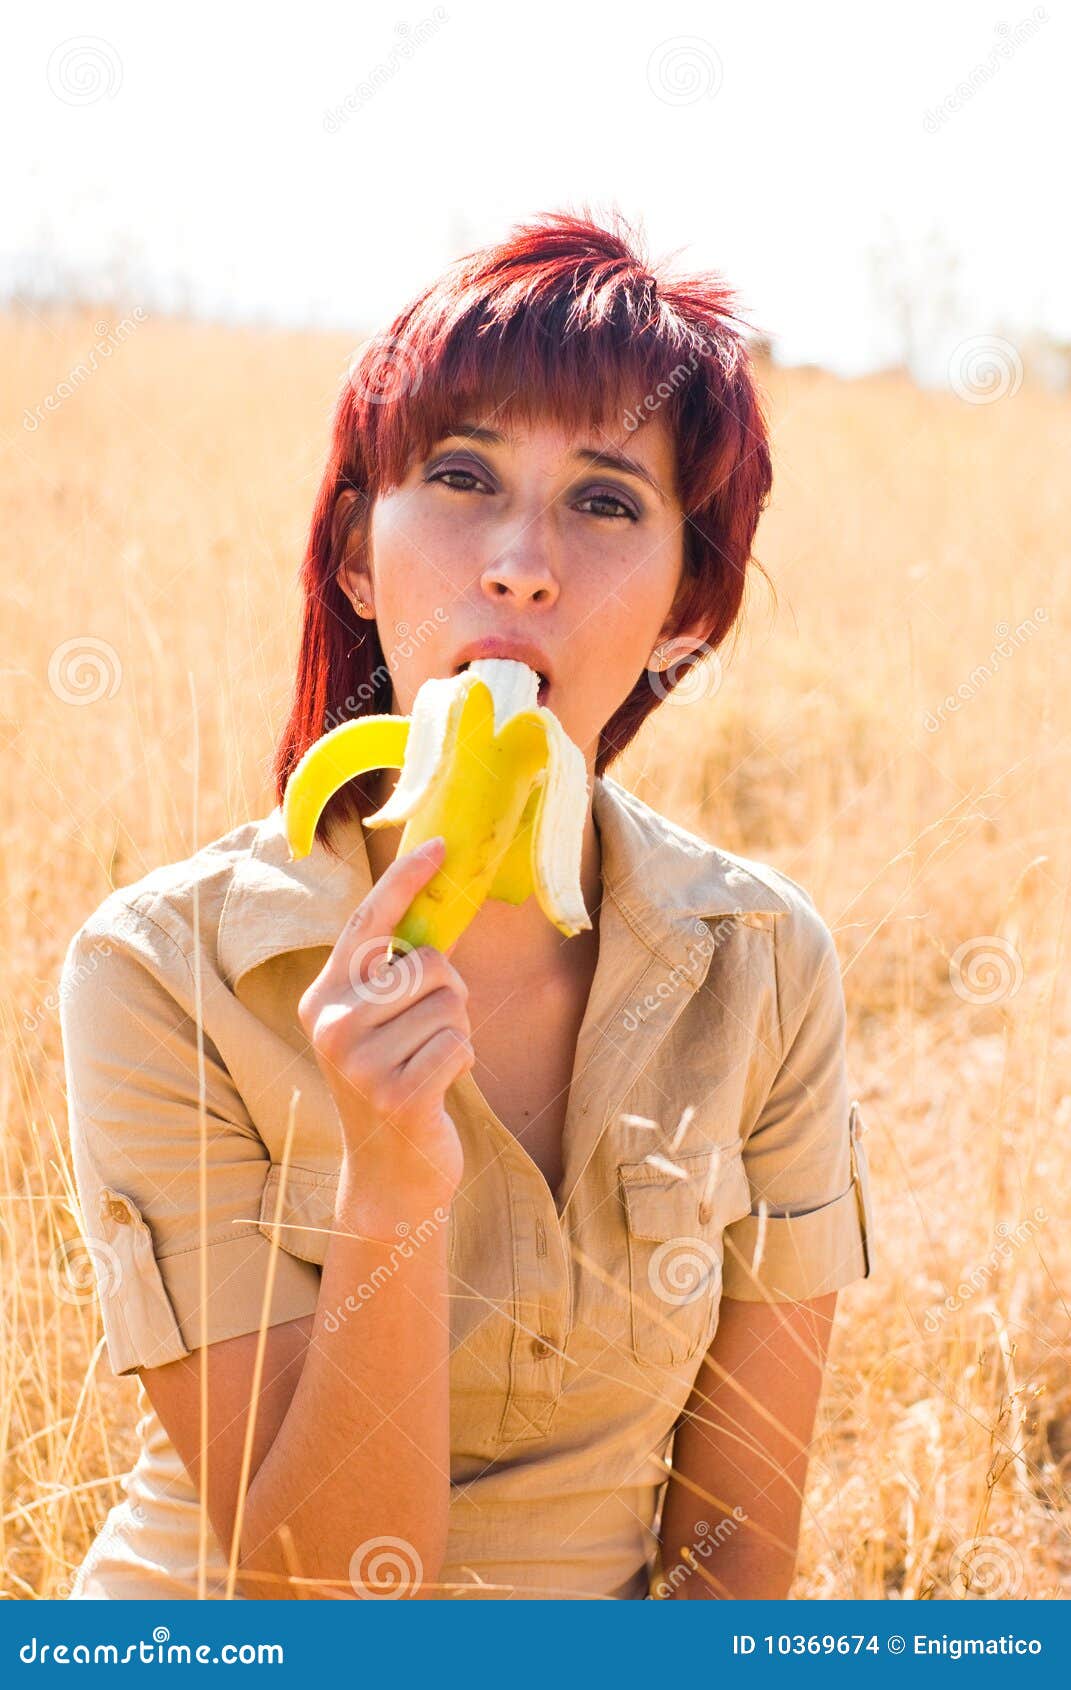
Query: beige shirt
{"x": 713, "y": 1035}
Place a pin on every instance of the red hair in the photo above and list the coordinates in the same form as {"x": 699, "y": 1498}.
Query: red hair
{"x": 564, "y": 318}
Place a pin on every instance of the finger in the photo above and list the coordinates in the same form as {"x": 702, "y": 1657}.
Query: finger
{"x": 429, "y": 1074}
{"x": 362, "y": 944}
{"x": 392, "y": 1044}
{"x": 393, "y": 991}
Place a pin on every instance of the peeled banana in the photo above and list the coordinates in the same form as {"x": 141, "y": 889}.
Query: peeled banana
{"x": 483, "y": 764}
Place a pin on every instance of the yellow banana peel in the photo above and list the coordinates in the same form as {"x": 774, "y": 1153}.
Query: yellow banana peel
{"x": 483, "y": 764}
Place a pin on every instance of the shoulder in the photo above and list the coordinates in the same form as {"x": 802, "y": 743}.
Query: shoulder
{"x": 158, "y": 915}
{"x": 679, "y": 870}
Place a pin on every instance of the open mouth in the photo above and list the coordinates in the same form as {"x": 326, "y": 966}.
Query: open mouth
{"x": 544, "y": 685}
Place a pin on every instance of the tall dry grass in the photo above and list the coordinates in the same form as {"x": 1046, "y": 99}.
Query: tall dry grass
{"x": 162, "y": 508}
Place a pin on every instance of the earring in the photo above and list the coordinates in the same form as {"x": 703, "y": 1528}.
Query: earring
{"x": 361, "y": 607}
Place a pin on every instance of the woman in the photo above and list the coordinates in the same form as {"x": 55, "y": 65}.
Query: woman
{"x": 524, "y": 1256}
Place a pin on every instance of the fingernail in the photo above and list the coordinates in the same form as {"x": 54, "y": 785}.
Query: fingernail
{"x": 430, "y": 845}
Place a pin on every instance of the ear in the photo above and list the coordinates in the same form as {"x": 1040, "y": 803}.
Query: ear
{"x": 348, "y": 534}
{"x": 678, "y": 631}
{"x": 678, "y": 635}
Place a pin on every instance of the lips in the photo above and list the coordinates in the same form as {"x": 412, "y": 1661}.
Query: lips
{"x": 507, "y": 649}
{"x": 543, "y": 692}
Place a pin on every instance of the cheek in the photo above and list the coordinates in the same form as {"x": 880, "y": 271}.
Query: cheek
{"x": 639, "y": 594}
{"x": 413, "y": 558}
{"x": 396, "y": 532}
{"x": 626, "y": 641}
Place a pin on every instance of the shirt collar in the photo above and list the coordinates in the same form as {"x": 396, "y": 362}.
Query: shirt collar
{"x": 664, "y": 880}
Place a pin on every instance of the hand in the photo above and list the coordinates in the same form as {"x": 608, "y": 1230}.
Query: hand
{"x": 389, "y": 1039}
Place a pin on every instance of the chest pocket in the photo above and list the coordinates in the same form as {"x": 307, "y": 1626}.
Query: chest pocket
{"x": 675, "y": 1249}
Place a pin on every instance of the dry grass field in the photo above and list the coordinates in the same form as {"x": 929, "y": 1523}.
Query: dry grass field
{"x": 155, "y": 517}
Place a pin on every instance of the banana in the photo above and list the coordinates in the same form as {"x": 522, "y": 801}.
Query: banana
{"x": 485, "y": 765}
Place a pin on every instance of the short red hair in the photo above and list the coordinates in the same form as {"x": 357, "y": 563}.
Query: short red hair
{"x": 563, "y": 319}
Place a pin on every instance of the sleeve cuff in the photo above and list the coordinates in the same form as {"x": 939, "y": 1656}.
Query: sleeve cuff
{"x": 151, "y": 1306}
{"x": 790, "y": 1258}
{"x": 237, "y": 1275}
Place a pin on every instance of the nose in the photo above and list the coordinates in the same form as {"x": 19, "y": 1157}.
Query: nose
{"x": 523, "y": 569}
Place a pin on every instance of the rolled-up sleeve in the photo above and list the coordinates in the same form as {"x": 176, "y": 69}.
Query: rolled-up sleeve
{"x": 810, "y": 1228}
{"x": 174, "y": 1262}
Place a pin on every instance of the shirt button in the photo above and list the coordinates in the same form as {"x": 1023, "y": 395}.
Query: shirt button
{"x": 119, "y": 1211}
{"x": 542, "y": 1347}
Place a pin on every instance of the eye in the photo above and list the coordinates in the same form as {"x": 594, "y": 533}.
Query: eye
{"x": 604, "y": 497}
{"x": 469, "y": 480}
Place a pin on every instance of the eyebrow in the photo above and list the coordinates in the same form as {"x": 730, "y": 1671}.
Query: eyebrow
{"x": 599, "y": 459}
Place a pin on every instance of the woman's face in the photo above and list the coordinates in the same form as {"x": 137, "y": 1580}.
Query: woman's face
{"x": 512, "y": 530}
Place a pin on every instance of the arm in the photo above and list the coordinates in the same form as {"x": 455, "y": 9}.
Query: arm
{"x": 350, "y": 1426}
{"x": 743, "y": 1441}
{"x": 353, "y": 1446}
{"x": 734, "y": 1497}
{"x": 350, "y": 1439}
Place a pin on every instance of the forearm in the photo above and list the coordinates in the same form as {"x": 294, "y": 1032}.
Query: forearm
{"x": 363, "y": 1451}
{"x": 733, "y": 1504}
{"x": 734, "y": 1572}
{"x": 744, "y": 1546}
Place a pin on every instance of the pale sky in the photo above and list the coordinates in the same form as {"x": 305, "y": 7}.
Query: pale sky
{"x": 247, "y": 154}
